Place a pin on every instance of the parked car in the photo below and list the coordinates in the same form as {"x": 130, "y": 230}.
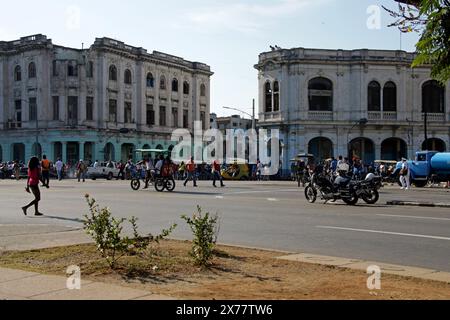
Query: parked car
{"x": 106, "y": 170}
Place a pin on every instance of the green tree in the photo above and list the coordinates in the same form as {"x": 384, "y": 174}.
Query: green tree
{"x": 431, "y": 18}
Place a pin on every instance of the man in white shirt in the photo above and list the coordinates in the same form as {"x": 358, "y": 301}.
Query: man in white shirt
{"x": 405, "y": 176}
{"x": 96, "y": 164}
{"x": 59, "y": 166}
{"x": 343, "y": 166}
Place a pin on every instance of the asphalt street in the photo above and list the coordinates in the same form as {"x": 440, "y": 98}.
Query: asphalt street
{"x": 271, "y": 215}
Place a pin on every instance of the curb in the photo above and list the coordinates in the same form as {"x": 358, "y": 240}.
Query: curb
{"x": 418, "y": 204}
{"x": 362, "y": 265}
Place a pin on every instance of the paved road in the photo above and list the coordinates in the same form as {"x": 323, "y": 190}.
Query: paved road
{"x": 266, "y": 214}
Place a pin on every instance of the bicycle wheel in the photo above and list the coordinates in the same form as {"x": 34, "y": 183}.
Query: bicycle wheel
{"x": 159, "y": 185}
{"x": 170, "y": 184}
{"x": 135, "y": 184}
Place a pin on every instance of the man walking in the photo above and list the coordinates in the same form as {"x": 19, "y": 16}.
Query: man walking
{"x": 59, "y": 166}
{"x": 81, "y": 171}
{"x": 216, "y": 173}
{"x": 405, "y": 176}
{"x": 45, "y": 169}
{"x": 190, "y": 167}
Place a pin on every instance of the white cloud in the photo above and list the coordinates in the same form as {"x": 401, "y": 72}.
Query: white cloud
{"x": 245, "y": 18}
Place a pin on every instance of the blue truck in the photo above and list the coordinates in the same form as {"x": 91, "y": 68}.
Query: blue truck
{"x": 428, "y": 166}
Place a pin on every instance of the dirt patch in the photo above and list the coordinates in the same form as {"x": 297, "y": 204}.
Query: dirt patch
{"x": 236, "y": 273}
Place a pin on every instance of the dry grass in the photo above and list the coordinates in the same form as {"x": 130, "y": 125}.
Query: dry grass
{"x": 236, "y": 273}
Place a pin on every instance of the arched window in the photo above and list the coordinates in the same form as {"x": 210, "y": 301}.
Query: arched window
{"x": 31, "y": 70}
{"x": 162, "y": 83}
{"x": 203, "y": 90}
{"x": 433, "y": 97}
{"x": 127, "y": 76}
{"x": 268, "y": 95}
{"x": 276, "y": 96}
{"x": 374, "y": 96}
{"x": 17, "y": 73}
{"x": 175, "y": 85}
{"x": 320, "y": 91}
{"x": 390, "y": 97}
{"x": 112, "y": 73}
{"x": 150, "y": 80}
{"x": 185, "y": 87}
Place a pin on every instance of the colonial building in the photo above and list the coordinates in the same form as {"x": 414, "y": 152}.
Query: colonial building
{"x": 97, "y": 103}
{"x": 365, "y": 103}
{"x": 234, "y": 122}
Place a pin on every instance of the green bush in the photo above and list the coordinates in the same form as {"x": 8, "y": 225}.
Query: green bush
{"x": 205, "y": 230}
{"x": 106, "y": 231}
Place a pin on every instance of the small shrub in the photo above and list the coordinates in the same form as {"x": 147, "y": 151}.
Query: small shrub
{"x": 205, "y": 230}
{"x": 106, "y": 231}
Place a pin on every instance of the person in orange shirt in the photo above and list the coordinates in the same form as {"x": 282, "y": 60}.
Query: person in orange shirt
{"x": 45, "y": 168}
{"x": 190, "y": 168}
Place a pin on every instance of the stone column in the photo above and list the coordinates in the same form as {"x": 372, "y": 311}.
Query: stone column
{"x": 64, "y": 152}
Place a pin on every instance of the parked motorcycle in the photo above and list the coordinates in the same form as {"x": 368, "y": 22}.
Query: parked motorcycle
{"x": 342, "y": 188}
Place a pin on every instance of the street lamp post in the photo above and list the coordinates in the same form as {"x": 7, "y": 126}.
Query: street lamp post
{"x": 244, "y": 112}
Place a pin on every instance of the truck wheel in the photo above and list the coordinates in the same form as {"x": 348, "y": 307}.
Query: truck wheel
{"x": 420, "y": 184}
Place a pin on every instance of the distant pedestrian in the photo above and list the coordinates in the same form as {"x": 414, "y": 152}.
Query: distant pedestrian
{"x": 16, "y": 168}
{"x": 59, "y": 168}
{"x": 81, "y": 171}
{"x": 190, "y": 167}
{"x": 33, "y": 186}
{"x": 217, "y": 174}
{"x": 45, "y": 167}
{"x": 405, "y": 175}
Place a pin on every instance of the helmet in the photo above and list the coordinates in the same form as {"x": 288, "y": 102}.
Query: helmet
{"x": 370, "y": 177}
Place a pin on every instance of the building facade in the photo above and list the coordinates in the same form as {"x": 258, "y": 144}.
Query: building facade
{"x": 234, "y": 122}
{"x": 99, "y": 103}
{"x": 365, "y": 103}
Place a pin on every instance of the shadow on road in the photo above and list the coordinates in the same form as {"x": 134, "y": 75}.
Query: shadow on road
{"x": 61, "y": 218}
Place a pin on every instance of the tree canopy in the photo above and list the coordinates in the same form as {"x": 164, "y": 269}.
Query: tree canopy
{"x": 431, "y": 18}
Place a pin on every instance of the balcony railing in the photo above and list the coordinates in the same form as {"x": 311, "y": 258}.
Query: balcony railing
{"x": 434, "y": 117}
{"x": 271, "y": 116}
{"x": 320, "y": 115}
{"x": 378, "y": 115}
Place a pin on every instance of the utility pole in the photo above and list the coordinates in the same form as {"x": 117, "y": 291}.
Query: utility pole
{"x": 253, "y": 117}
{"x": 425, "y": 117}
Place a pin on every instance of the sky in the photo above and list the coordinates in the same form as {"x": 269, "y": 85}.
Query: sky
{"x": 228, "y": 35}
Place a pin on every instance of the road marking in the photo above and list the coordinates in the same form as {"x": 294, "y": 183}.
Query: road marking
{"x": 412, "y": 217}
{"x": 219, "y": 197}
{"x": 272, "y": 199}
{"x": 386, "y": 232}
{"x": 271, "y": 191}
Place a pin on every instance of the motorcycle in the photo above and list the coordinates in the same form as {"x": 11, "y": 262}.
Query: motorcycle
{"x": 368, "y": 189}
{"x": 343, "y": 188}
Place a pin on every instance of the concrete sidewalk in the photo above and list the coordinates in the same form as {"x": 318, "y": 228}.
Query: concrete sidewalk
{"x": 22, "y": 285}
{"x": 361, "y": 265}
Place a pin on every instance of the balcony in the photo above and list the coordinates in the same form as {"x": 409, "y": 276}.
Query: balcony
{"x": 378, "y": 115}
{"x": 434, "y": 117}
{"x": 320, "y": 115}
{"x": 270, "y": 116}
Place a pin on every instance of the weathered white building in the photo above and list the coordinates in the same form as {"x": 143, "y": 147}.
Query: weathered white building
{"x": 365, "y": 103}
{"x": 74, "y": 103}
